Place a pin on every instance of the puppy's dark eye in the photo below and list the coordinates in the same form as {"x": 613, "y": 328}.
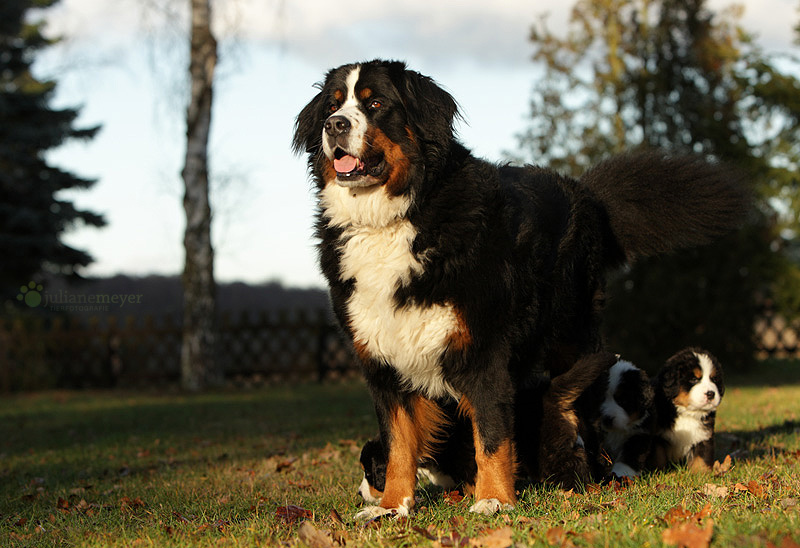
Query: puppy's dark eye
{"x": 375, "y": 105}
{"x": 333, "y": 107}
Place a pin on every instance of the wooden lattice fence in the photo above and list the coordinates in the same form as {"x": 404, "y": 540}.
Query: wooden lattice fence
{"x": 259, "y": 348}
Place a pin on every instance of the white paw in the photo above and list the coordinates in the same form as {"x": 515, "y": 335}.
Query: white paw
{"x": 489, "y": 507}
{"x": 372, "y": 512}
{"x": 622, "y": 470}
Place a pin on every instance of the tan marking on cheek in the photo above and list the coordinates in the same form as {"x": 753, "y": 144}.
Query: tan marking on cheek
{"x": 397, "y": 163}
{"x": 682, "y": 398}
{"x": 497, "y": 470}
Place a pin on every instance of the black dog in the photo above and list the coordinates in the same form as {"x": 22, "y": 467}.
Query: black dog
{"x": 454, "y": 277}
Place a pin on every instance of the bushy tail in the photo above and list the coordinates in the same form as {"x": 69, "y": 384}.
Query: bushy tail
{"x": 657, "y": 202}
{"x": 568, "y": 387}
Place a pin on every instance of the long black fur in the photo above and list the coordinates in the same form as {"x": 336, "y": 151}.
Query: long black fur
{"x": 520, "y": 252}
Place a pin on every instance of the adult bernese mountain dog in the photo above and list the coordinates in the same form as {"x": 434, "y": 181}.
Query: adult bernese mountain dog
{"x": 455, "y": 277}
{"x": 688, "y": 391}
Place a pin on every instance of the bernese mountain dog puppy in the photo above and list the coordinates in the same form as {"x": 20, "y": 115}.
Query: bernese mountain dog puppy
{"x": 627, "y": 418}
{"x": 688, "y": 391}
{"x": 550, "y": 433}
{"x": 454, "y": 277}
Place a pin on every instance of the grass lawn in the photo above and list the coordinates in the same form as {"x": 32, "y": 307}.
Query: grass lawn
{"x": 279, "y": 467}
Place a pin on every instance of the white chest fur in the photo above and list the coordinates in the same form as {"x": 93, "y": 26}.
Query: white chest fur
{"x": 378, "y": 257}
{"x": 687, "y": 431}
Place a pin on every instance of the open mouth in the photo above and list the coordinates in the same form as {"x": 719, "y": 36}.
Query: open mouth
{"x": 353, "y": 171}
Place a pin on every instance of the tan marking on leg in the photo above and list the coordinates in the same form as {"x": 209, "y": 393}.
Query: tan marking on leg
{"x": 698, "y": 465}
{"x": 497, "y": 470}
{"x": 412, "y": 436}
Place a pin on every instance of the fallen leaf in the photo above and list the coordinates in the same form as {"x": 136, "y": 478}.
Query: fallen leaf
{"x": 786, "y": 542}
{"x": 788, "y": 503}
{"x": 689, "y": 534}
{"x": 453, "y": 497}
{"x": 423, "y": 532}
{"x": 675, "y": 515}
{"x": 755, "y": 488}
{"x": 557, "y": 536}
{"x": 498, "y": 538}
{"x": 284, "y": 465}
{"x": 714, "y": 490}
{"x": 721, "y": 468}
{"x": 336, "y": 517}
{"x": 313, "y": 537}
{"x": 292, "y": 513}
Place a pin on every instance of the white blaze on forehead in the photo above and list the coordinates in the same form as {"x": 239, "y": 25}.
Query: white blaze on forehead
{"x": 350, "y": 109}
{"x": 350, "y": 83}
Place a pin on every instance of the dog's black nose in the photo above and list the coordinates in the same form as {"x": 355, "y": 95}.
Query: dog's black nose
{"x": 337, "y": 125}
{"x": 711, "y": 394}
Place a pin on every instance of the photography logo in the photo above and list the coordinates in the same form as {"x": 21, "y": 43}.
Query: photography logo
{"x": 31, "y": 294}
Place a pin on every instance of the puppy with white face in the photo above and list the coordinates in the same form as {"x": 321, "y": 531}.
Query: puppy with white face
{"x": 688, "y": 391}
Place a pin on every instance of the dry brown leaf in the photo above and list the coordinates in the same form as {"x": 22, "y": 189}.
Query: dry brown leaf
{"x": 557, "y": 536}
{"x": 498, "y": 538}
{"x": 689, "y": 534}
{"x": 292, "y": 513}
{"x": 714, "y": 490}
{"x": 678, "y": 514}
{"x": 786, "y": 542}
{"x": 722, "y": 468}
{"x": 313, "y": 537}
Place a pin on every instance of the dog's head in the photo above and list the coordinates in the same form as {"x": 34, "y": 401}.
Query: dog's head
{"x": 692, "y": 379}
{"x": 375, "y": 124}
{"x": 373, "y": 462}
{"x": 629, "y": 397}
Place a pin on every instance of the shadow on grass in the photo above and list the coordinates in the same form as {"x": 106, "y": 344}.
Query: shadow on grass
{"x": 76, "y": 434}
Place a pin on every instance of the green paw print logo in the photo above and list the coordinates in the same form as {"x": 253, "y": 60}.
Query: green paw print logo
{"x": 31, "y": 294}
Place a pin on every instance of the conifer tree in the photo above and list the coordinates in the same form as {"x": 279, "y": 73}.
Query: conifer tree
{"x": 33, "y": 216}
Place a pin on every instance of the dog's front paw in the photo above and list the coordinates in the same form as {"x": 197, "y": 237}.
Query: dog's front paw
{"x": 490, "y": 506}
{"x": 372, "y": 512}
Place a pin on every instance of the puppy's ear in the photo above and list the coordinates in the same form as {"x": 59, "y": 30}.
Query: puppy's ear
{"x": 308, "y": 127}
{"x": 431, "y": 111}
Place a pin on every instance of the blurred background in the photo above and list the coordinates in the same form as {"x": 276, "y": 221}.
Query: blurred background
{"x": 104, "y": 283}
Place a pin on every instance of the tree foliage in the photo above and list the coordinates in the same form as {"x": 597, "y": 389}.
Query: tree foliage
{"x": 672, "y": 74}
{"x": 33, "y": 215}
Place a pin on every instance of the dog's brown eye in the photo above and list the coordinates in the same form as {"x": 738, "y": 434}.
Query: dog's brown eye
{"x": 375, "y": 105}
{"x": 333, "y": 108}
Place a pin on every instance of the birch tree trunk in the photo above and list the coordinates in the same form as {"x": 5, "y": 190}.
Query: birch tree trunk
{"x": 198, "y": 364}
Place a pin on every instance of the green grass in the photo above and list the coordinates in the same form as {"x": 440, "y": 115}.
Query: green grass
{"x": 167, "y": 469}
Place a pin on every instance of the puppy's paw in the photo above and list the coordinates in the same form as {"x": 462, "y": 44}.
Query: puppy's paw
{"x": 490, "y": 506}
{"x": 622, "y": 470}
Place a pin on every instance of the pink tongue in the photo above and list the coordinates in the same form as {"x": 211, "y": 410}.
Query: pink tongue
{"x": 345, "y": 164}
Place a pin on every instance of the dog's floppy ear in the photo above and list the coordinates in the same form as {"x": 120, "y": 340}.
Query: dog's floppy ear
{"x": 431, "y": 111}
{"x": 308, "y": 127}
